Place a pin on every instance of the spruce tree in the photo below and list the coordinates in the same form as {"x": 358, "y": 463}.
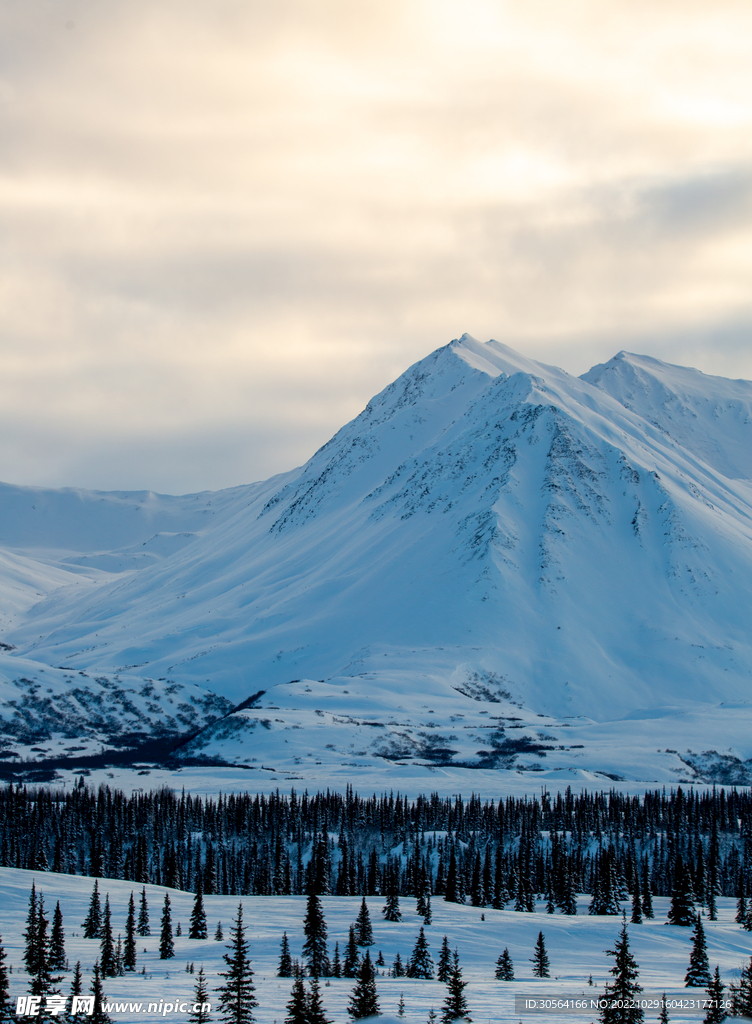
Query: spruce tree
{"x": 698, "y": 972}
{"x": 98, "y": 1015}
{"x": 218, "y": 934}
{"x": 420, "y": 964}
{"x": 741, "y": 994}
{"x": 539, "y": 959}
{"x": 315, "y": 1008}
{"x": 445, "y": 961}
{"x": 297, "y": 1005}
{"x": 716, "y": 1013}
{"x": 568, "y": 898}
{"x": 284, "y": 970}
{"x": 4, "y": 994}
{"x": 505, "y": 967}
{"x": 42, "y": 981}
{"x": 682, "y": 909}
{"x": 398, "y": 968}
{"x": 129, "y": 952}
{"x": 336, "y": 962}
{"x": 57, "y": 940}
{"x": 663, "y": 1017}
{"x": 401, "y": 1005}
{"x": 199, "y": 1011}
{"x": 363, "y": 928}
{"x": 455, "y": 1004}
{"x": 77, "y": 982}
{"x": 237, "y": 994}
{"x": 76, "y": 989}
{"x": 619, "y": 996}
{"x": 364, "y": 1001}
{"x": 32, "y": 931}
{"x": 647, "y": 896}
{"x": 451, "y": 892}
{"x": 166, "y": 944}
{"x": 107, "y": 948}
{"x": 636, "y": 906}
{"x": 142, "y": 928}
{"x": 197, "y": 926}
{"x": 741, "y": 909}
{"x": 93, "y": 922}
{"x": 428, "y": 915}
{"x": 314, "y": 947}
{"x": 391, "y": 909}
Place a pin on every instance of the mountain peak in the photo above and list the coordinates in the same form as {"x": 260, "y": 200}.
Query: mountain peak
{"x": 487, "y": 525}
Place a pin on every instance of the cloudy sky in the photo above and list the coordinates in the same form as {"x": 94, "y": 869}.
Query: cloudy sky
{"x": 225, "y": 224}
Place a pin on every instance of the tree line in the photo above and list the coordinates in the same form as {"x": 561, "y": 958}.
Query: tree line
{"x": 487, "y": 853}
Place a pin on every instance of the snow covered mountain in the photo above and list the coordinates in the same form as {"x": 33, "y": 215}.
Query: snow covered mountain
{"x": 494, "y": 560}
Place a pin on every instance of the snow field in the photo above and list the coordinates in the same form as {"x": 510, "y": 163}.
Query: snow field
{"x": 576, "y": 948}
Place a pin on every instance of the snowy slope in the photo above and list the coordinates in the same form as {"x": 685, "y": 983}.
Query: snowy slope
{"x": 576, "y": 949}
{"x": 488, "y": 530}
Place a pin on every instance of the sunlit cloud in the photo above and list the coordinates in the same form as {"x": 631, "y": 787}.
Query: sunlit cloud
{"x": 226, "y": 226}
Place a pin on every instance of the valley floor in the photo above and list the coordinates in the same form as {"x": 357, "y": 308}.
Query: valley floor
{"x": 576, "y": 948}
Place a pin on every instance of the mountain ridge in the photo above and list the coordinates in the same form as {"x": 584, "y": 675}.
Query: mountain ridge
{"x": 585, "y": 543}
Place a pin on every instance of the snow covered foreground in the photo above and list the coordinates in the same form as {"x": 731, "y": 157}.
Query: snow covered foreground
{"x": 496, "y": 566}
{"x": 576, "y": 948}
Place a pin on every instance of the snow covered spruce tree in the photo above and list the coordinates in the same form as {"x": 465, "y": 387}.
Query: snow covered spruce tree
{"x": 682, "y": 909}
{"x": 698, "y": 972}
{"x": 647, "y": 896}
{"x": 129, "y": 950}
{"x": 37, "y": 954}
{"x": 314, "y": 947}
{"x": 297, "y": 1004}
{"x": 236, "y": 996}
{"x": 539, "y": 959}
{"x": 420, "y": 964}
{"x": 284, "y": 968}
{"x": 351, "y": 966}
{"x": 314, "y": 1007}
{"x": 716, "y": 1013}
{"x": 636, "y": 917}
{"x": 98, "y": 1014}
{"x": 92, "y": 925}
{"x": 5, "y": 1009}
{"x": 364, "y": 1000}
{"x": 107, "y": 947}
{"x": 741, "y": 995}
{"x": 391, "y": 909}
{"x": 445, "y": 961}
{"x": 663, "y": 1017}
{"x": 428, "y": 915}
{"x": 32, "y": 930}
{"x": 455, "y": 1004}
{"x": 76, "y": 989}
{"x": 197, "y": 925}
{"x": 57, "y": 940}
{"x": 505, "y": 967}
{"x": 363, "y": 928}
{"x": 199, "y": 1011}
{"x": 620, "y": 993}
{"x": 166, "y": 944}
{"x": 142, "y": 928}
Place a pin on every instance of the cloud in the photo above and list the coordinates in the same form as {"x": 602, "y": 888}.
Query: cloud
{"x": 226, "y": 226}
